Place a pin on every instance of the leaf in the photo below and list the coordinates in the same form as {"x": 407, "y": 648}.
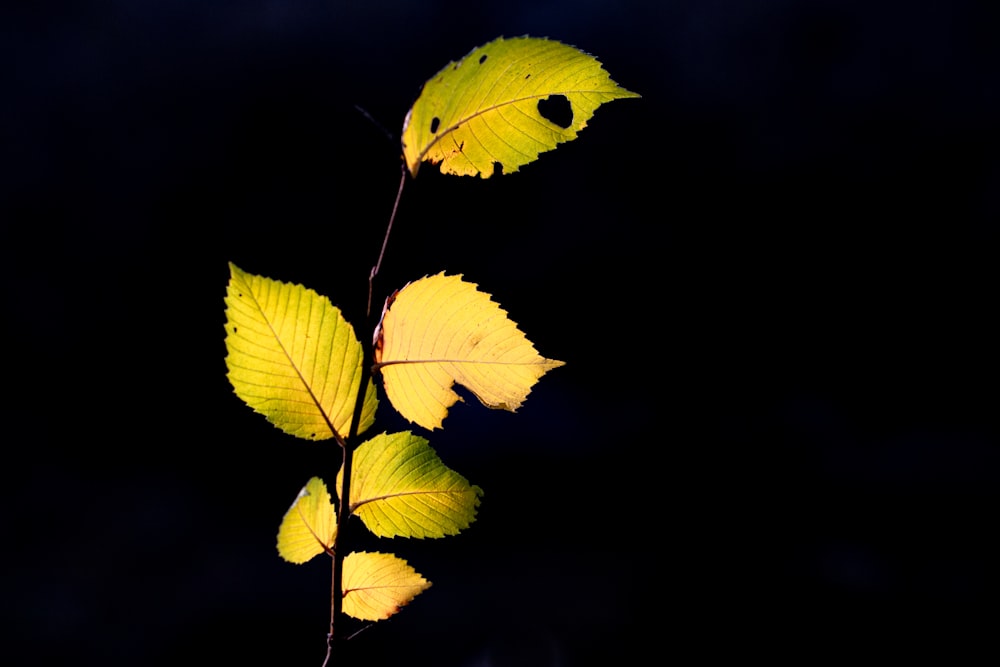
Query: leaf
{"x": 309, "y": 527}
{"x": 293, "y": 357}
{"x": 490, "y": 107}
{"x": 400, "y": 488}
{"x": 376, "y": 585}
{"x": 440, "y": 330}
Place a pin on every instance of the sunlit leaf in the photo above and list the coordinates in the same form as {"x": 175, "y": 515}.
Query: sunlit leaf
{"x": 400, "y": 488}
{"x": 440, "y": 330}
{"x": 504, "y": 104}
{"x": 293, "y": 358}
{"x": 309, "y": 527}
{"x": 376, "y": 585}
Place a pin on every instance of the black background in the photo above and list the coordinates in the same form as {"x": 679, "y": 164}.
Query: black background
{"x": 773, "y": 280}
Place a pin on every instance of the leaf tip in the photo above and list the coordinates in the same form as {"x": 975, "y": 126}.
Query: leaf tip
{"x": 235, "y": 271}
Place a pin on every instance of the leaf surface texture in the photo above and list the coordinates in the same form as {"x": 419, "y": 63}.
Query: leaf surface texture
{"x": 400, "y": 488}
{"x": 309, "y": 527}
{"x": 293, "y": 357}
{"x": 484, "y": 110}
{"x": 376, "y": 585}
{"x": 440, "y": 330}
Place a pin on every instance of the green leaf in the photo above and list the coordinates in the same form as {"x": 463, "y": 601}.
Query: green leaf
{"x": 293, "y": 358}
{"x": 440, "y": 330}
{"x": 400, "y": 488}
{"x": 309, "y": 527}
{"x": 376, "y": 585}
{"x": 490, "y": 107}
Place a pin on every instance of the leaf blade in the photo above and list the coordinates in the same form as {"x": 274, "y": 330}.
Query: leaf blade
{"x": 483, "y": 110}
{"x": 309, "y": 527}
{"x": 292, "y": 357}
{"x": 377, "y": 585}
{"x": 440, "y": 330}
{"x": 401, "y": 488}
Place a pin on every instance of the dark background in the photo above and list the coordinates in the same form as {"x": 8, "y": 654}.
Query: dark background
{"x": 773, "y": 280}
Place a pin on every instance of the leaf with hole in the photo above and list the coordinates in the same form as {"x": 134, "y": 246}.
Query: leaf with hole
{"x": 504, "y": 104}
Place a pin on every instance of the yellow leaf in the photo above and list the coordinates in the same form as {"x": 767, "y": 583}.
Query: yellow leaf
{"x": 376, "y": 585}
{"x": 400, "y": 488}
{"x": 440, "y": 330}
{"x": 309, "y": 527}
{"x": 293, "y": 357}
{"x": 489, "y": 108}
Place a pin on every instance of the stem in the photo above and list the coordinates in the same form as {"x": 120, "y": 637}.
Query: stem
{"x": 348, "y": 445}
{"x": 343, "y": 514}
{"x": 385, "y": 242}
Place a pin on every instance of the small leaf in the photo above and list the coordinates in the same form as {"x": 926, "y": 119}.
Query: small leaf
{"x": 293, "y": 357}
{"x": 504, "y": 104}
{"x": 400, "y": 488}
{"x": 309, "y": 527}
{"x": 440, "y": 330}
{"x": 376, "y": 585}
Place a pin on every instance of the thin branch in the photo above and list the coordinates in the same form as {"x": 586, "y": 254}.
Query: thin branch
{"x": 348, "y": 446}
{"x": 336, "y": 577}
{"x": 344, "y": 509}
{"x": 388, "y": 135}
{"x": 385, "y": 241}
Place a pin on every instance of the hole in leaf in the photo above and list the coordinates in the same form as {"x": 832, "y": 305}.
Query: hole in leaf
{"x": 435, "y": 122}
{"x": 483, "y": 58}
{"x": 498, "y": 169}
{"x": 556, "y": 109}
